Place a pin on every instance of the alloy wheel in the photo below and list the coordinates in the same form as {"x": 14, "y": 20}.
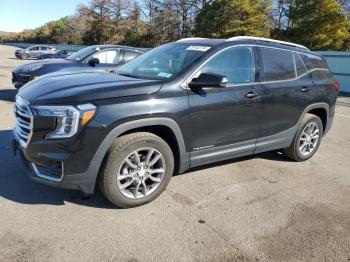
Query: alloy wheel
{"x": 309, "y": 138}
{"x": 141, "y": 173}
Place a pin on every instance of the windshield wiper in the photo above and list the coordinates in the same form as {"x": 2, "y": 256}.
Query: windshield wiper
{"x": 128, "y": 75}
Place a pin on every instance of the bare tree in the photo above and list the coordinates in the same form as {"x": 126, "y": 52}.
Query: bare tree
{"x": 119, "y": 9}
{"x": 280, "y": 14}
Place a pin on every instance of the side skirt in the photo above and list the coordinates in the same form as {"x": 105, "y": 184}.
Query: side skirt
{"x": 220, "y": 153}
{"x": 278, "y": 141}
{"x": 216, "y": 154}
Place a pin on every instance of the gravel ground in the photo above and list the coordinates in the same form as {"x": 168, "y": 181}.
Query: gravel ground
{"x": 257, "y": 208}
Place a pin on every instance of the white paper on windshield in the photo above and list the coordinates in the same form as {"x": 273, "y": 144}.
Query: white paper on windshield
{"x": 198, "y": 48}
{"x": 164, "y": 74}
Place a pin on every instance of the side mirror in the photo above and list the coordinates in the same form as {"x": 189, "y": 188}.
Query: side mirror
{"x": 93, "y": 61}
{"x": 208, "y": 80}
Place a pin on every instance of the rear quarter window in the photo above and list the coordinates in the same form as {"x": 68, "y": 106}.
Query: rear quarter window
{"x": 312, "y": 61}
{"x": 321, "y": 74}
{"x": 278, "y": 64}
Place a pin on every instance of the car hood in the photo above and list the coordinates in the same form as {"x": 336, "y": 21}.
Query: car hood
{"x": 21, "y": 68}
{"x": 76, "y": 87}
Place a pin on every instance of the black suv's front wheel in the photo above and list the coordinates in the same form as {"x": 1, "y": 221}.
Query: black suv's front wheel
{"x": 137, "y": 169}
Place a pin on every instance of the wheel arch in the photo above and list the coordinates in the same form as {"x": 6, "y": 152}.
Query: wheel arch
{"x": 164, "y": 132}
{"x": 322, "y": 111}
{"x": 149, "y": 124}
{"x": 322, "y": 114}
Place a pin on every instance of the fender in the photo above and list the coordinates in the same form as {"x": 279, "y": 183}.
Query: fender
{"x": 90, "y": 176}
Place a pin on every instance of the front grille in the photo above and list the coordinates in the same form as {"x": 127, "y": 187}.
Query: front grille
{"x": 24, "y": 126}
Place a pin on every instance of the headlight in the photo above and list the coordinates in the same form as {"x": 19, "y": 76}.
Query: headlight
{"x": 68, "y": 118}
{"x": 32, "y": 68}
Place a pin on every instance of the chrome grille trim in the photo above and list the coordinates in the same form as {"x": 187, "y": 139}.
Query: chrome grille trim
{"x": 22, "y": 124}
{"x": 24, "y": 121}
{"x": 45, "y": 176}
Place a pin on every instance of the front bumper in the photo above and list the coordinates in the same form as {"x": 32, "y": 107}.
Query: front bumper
{"x": 19, "y": 80}
{"x": 44, "y": 174}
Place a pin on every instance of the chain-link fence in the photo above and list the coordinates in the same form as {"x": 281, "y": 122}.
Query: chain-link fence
{"x": 57, "y": 46}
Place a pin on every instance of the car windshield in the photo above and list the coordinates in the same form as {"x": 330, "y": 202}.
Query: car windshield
{"x": 83, "y": 53}
{"x": 164, "y": 62}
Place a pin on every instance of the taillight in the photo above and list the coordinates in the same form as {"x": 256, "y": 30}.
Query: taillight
{"x": 336, "y": 85}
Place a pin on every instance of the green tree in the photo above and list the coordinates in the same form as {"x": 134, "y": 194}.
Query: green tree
{"x": 136, "y": 29}
{"x": 98, "y": 15}
{"x": 59, "y": 30}
{"x": 319, "y": 24}
{"x": 228, "y": 18}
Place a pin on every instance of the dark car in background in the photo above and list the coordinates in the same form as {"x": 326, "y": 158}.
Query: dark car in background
{"x": 98, "y": 57}
{"x": 35, "y": 51}
{"x": 58, "y": 54}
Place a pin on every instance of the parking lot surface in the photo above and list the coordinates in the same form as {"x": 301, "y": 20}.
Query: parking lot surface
{"x": 257, "y": 208}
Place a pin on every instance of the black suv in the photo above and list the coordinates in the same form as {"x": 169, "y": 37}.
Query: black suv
{"x": 178, "y": 106}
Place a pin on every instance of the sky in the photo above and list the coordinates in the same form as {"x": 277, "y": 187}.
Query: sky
{"x": 17, "y": 15}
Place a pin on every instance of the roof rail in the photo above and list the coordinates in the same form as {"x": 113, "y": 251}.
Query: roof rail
{"x": 191, "y": 38}
{"x": 237, "y": 38}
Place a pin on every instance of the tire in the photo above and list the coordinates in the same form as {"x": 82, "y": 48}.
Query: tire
{"x": 24, "y": 56}
{"x": 293, "y": 151}
{"x": 116, "y": 165}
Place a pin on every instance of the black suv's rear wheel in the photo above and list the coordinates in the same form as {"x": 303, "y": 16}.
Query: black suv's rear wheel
{"x": 307, "y": 139}
{"x": 137, "y": 169}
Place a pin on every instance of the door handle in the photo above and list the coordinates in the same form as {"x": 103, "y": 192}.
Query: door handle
{"x": 251, "y": 94}
{"x": 304, "y": 89}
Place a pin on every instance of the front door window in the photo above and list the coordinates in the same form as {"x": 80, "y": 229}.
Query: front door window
{"x": 235, "y": 63}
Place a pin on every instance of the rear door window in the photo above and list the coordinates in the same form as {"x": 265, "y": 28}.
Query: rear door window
{"x": 278, "y": 64}
{"x": 43, "y": 48}
{"x": 129, "y": 55}
{"x": 235, "y": 63}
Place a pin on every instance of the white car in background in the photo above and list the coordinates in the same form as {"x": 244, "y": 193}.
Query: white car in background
{"x": 35, "y": 51}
